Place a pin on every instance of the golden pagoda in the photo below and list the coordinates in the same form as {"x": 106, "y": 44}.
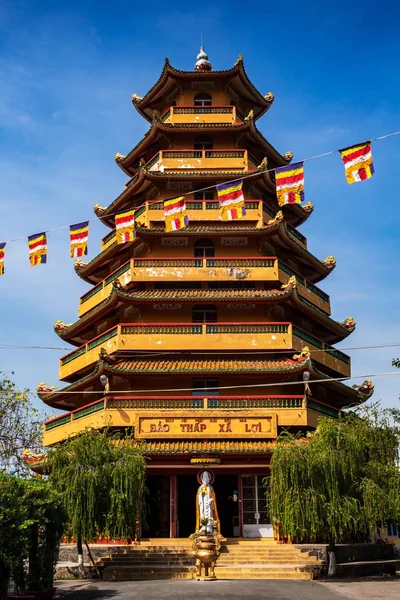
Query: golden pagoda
{"x": 212, "y": 339}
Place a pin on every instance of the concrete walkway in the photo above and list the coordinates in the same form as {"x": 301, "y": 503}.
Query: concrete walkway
{"x": 376, "y": 588}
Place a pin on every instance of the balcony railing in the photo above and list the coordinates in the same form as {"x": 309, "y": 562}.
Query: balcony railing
{"x": 192, "y": 160}
{"x": 175, "y": 403}
{"x": 122, "y": 411}
{"x": 195, "y": 337}
{"x": 200, "y": 114}
{"x": 267, "y": 268}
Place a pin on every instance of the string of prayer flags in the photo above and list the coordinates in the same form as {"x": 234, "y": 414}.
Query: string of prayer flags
{"x": 78, "y": 235}
{"x": 357, "y": 161}
{"x": 231, "y": 200}
{"x": 2, "y": 251}
{"x": 125, "y": 227}
{"x": 175, "y": 214}
{"x": 37, "y": 244}
{"x": 290, "y": 184}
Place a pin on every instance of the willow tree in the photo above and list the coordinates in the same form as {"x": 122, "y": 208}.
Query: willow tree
{"x": 338, "y": 480}
{"x": 101, "y": 479}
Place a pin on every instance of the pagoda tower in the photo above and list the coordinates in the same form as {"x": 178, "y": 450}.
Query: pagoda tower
{"x": 212, "y": 339}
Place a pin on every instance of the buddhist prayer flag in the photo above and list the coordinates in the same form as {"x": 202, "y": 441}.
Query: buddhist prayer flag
{"x": 175, "y": 214}
{"x": 125, "y": 227}
{"x": 78, "y": 235}
{"x": 290, "y": 184}
{"x": 357, "y": 162}
{"x": 231, "y": 200}
{"x": 37, "y": 249}
{"x": 2, "y": 251}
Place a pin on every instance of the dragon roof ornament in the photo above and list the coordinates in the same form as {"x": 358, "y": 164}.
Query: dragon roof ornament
{"x": 99, "y": 210}
{"x": 118, "y": 157}
{"x": 43, "y": 389}
{"x": 79, "y": 264}
{"x": 136, "y": 98}
{"x": 365, "y": 390}
{"x": 348, "y": 324}
{"x": 308, "y": 207}
{"x": 291, "y": 284}
{"x": 60, "y": 326}
{"x": 269, "y": 97}
{"x": 288, "y": 156}
{"x": 277, "y": 219}
{"x": 329, "y": 262}
{"x": 304, "y": 354}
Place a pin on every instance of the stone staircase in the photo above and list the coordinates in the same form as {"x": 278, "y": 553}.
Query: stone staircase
{"x": 239, "y": 559}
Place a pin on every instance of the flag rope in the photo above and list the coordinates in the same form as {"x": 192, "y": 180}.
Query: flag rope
{"x": 209, "y": 187}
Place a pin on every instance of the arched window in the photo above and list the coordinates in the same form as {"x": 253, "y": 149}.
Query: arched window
{"x": 202, "y": 100}
{"x": 204, "y": 313}
{"x": 204, "y": 248}
{"x": 203, "y": 142}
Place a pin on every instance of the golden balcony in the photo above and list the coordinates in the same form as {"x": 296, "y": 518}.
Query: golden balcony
{"x": 202, "y": 269}
{"x": 240, "y": 337}
{"x": 198, "y": 210}
{"x": 235, "y": 160}
{"x": 179, "y": 115}
{"x": 123, "y": 411}
{"x": 152, "y": 213}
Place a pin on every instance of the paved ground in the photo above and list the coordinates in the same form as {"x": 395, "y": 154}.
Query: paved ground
{"x": 388, "y": 589}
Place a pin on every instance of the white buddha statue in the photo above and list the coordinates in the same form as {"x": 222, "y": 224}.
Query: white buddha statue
{"x": 206, "y": 506}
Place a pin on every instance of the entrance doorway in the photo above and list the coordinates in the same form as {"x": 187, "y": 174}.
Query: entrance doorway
{"x": 225, "y": 487}
{"x": 156, "y": 507}
{"x": 256, "y": 519}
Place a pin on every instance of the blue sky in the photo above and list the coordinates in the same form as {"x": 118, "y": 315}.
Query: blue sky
{"x": 67, "y": 73}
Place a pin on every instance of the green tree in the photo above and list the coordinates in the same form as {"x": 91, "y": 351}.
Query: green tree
{"x": 101, "y": 479}
{"x": 338, "y": 480}
{"x": 32, "y": 521}
{"x": 20, "y": 426}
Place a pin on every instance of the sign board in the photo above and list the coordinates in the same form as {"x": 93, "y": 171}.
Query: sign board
{"x": 169, "y": 425}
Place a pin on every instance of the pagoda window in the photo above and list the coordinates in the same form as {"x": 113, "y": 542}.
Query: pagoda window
{"x": 203, "y": 100}
{"x": 205, "y": 387}
{"x": 204, "y": 313}
{"x": 204, "y": 248}
{"x": 205, "y": 195}
{"x": 203, "y": 142}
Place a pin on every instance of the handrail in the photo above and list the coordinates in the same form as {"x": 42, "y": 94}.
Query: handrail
{"x": 125, "y": 266}
{"x": 103, "y": 403}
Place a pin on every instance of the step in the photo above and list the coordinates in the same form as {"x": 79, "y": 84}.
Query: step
{"x": 241, "y": 572}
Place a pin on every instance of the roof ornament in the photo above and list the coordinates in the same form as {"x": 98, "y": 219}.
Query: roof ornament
{"x": 365, "y": 390}
{"x": 269, "y": 97}
{"x": 117, "y": 285}
{"x": 202, "y": 64}
{"x": 239, "y": 60}
{"x": 290, "y": 285}
{"x": 249, "y": 116}
{"x": 79, "y": 264}
{"x": 43, "y": 388}
{"x": 288, "y": 156}
{"x": 136, "y": 98}
{"x": 308, "y": 207}
{"x": 277, "y": 219}
{"x": 304, "y": 354}
{"x": 98, "y": 209}
{"x": 263, "y": 164}
{"x": 329, "y": 262}
{"x": 60, "y": 326}
{"x": 348, "y": 324}
{"x": 118, "y": 157}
